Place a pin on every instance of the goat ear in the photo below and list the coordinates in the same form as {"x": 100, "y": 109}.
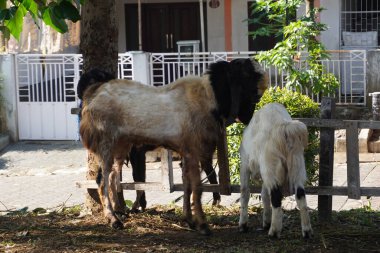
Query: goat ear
{"x": 236, "y": 69}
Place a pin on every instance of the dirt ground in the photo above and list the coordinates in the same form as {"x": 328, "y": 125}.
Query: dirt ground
{"x": 161, "y": 229}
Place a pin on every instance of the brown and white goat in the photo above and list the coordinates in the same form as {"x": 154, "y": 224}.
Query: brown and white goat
{"x": 185, "y": 116}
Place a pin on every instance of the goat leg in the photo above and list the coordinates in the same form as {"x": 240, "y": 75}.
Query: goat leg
{"x": 277, "y": 214}
{"x": 186, "y": 199}
{"x": 191, "y": 167}
{"x": 137, "y": 158}
{"x": 307, "y": 231}
{"x": 105, "y": 183}
{"x": 211, "y": 176}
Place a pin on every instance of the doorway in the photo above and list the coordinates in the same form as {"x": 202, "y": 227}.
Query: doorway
{"x": 163, "y": 24}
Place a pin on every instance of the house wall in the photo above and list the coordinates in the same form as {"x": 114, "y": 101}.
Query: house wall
{"x": 239, "y": 26}
{"x": 214, "y": 26}
{"x": 330, "y": 16}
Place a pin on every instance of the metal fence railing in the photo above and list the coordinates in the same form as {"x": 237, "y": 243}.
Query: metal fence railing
{"x": 349, "y": 66}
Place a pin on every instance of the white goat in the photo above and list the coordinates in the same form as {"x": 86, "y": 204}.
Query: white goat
{"x": 273, "y": 144}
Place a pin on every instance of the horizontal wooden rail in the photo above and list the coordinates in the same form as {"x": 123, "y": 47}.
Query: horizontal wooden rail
{"x": 339, "y": 124}
{"x": 310, "y": 190}
{"x": 325, "y": 190}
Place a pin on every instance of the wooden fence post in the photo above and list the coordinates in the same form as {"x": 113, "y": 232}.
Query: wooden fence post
{"x": 326, "y": 159}
{"x": 353, "y": 173}
{"x": 167, "y": 170}
{"x": 224, "y": 171}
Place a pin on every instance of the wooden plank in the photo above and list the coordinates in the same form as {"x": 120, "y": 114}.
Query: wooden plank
{"x": 167, "y": 170}
{"x": 76, "y": 111}
{"x": 326, "y": 159}
{"x": 311, "y": 190}
{"x": 87, "y": 184}
{"x": 327, "y": 123}
{"x": 370, "y": 124}
{"x": 224, "y": 171}
{"x": 338, "y": 124}
{"x": 148, "y": 186}
{"x": 353, "y": 173}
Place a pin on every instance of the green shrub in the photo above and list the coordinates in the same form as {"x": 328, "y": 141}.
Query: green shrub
{"x": 298, "y": 106}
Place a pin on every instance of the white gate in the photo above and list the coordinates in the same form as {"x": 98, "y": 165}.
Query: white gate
{"x": 46, "y": 94}
{"x": 46, "y": 87}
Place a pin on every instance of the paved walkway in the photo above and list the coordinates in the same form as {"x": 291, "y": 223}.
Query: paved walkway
{"x": 43, "y": 174}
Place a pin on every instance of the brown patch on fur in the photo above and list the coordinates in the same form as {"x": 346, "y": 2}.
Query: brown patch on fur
{"x": 263, "y": 84}
{"x": 110, "y": 124}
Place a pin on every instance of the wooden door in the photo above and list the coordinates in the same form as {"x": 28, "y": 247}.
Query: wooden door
{"x": 184, "y": 20}
{"x": 163, "y": 25}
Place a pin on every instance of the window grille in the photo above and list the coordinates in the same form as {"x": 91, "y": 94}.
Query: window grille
{"x": 360, "y": 23}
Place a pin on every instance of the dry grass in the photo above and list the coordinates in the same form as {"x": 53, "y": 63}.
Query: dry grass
{"x": 160, "y": 229}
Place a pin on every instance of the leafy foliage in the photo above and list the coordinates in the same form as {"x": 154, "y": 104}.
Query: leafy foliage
{"x": 272, "y": 16}
{"x": 52, "y": 13}
{"x": 299, "y": 54}
{"x": 298, "y": 106}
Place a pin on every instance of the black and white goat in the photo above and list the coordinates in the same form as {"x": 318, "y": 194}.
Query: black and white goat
{"x": 273, "y": 144}
{"x": 185, "y": 116}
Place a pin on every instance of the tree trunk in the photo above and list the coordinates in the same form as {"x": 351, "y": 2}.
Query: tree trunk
{"x": 99, "y": 46}
{"x": 99, "y": 36}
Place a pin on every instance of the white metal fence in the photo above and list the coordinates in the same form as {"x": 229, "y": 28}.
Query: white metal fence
{"x": 349, "y": 66}
{"x": 46, "y": 84}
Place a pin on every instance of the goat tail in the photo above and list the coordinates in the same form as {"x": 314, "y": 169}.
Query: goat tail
{"x": 91, "y": 77}
{"x": 296, "y": 138}
{"x": 91, "y": 137}
{"x": 295, "y": 133}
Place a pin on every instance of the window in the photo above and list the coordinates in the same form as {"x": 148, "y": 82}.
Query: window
{"x": 360, "y": 23}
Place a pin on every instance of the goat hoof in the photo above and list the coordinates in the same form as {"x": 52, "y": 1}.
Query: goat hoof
{"x": 117, "y": 225}
{"x": 243, "y": 228}
{"x": 135, "y": 210}
{"x": 274, "y": 234}
{"x": 121, "y": 215}
{"x": 266, "y": 226}
{"x": 216, "y": 201}
{"x": 191, "y": 224}
{"x": 307, "y": 234}
{"x": 204, "y": 229}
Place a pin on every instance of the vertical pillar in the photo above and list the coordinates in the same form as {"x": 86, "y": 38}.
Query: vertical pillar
{"x": 141, "y": 67}
{"x": 167, "y": 179}
{"x": 9, "y": 93}
{"x": 228, "y": 25}
{"x": 326, "y": 159}
{"x": 224, "y": 172}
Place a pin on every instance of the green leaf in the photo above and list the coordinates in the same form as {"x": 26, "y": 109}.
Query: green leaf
{"x": 15, "y": 23}
{"x": 27, "y": 3}
{"x": 128, "y": 203}
{"x": 52, "y": 20}
{"x": 32, "y": 7}
{"x": 4, "y": 14}
{"x": 69, "y": 11}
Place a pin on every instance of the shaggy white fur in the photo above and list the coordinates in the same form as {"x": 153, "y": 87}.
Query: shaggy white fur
{"x": 273, "y": 144}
